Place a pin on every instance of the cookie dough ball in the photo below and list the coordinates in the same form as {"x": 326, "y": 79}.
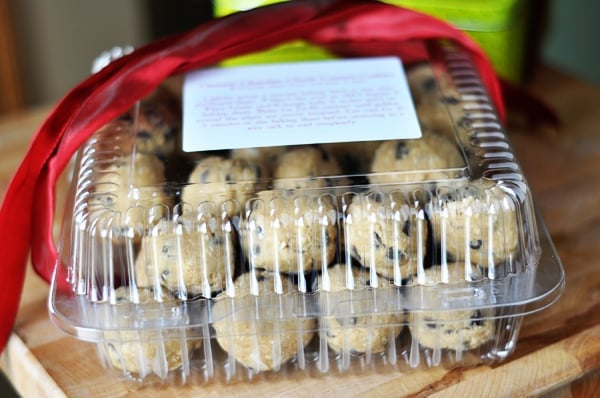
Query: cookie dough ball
{"x": 126, "y": 183}
{"x": 422, "y": 82}
{"x": 305, "y": 167}
{"x": 143, "y": 352}
{"x": 438, "y": 103}
{"x": 437, "y": 113}
{"x": 265, "y": 157}
{"x": 218, "y": 179}
{"x": 261, "y": 336}
{"x": 419, "y": 159}
{"x": 386, "y": 234}
{"x": 157, "y": 123}
{"x": 357, "y": 331}
{"x": 189, "y": 258}
{"x": 477, "y": 224}
{"x": 451, "y": 329}
{"x": 290, "y": 235}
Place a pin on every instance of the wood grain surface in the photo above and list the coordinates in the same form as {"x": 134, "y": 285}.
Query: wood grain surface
{"x": 558, "y": 351}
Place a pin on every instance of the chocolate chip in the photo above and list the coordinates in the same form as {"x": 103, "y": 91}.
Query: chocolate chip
{"x": 377, "y": 197}
{"x": 401, "y": 150}
{"x": 171, "y": 133}
{"x": 355, "y": 252}
{"x": 204, "y": 176}
{"x": 430, "y": 323}
{"x": 218, "y": 241}
{"x": 228, "y": 177}
{"x": 106, "y": 199}
{"x": 144, "y": 135}
{"x": 406, "y": 228}
{"x": 327, "y": 238}
{"x": 450, "y": 101}
{"x": 378, "y": 240}
{"x": 476, "y": 244}
{"x": 476, "y": 319}
{"x": 392, "y": 254}
{"x": 429, "y": 84}
{"x": 126, "y": 117}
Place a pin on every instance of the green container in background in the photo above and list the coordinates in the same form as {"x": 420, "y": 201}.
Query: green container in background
{"x": 500, "y": 27}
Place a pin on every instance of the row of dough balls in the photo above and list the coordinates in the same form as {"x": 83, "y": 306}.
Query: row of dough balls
{"x": 253, "y": 344}
{"x": 384, "y": 233}
{"x": 246, "y": 171}
{"x": 317, "y": 166}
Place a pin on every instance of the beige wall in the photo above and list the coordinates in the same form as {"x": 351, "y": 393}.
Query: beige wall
{"x": 58, "y": 40}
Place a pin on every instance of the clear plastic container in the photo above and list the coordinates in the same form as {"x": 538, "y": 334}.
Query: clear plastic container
{"x": 222, "y": 266}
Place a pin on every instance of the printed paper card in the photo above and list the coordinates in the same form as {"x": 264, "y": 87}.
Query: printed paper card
{"x": 342, "y": 100}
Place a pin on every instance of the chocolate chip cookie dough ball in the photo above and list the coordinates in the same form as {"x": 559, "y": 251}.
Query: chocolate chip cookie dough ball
{"x": 255, "y": 325}
{"x": 126, "y": 183}
{"x": 477, "y": 224}
{"x": 358, "y": 331}
{"x": 265, "y": 157}
{"x": 386, "y": 234}
{"x": 421, "y": 81}
{"x": 157, "y": 123}
{"x": 304, "y": 167}
{"x": 218, "y": 179}
{"x": 143, "y": 352}
{"x": 451, "y": 329}
{"x": 188, "y": 257}
{"x": 290, "y": 235}
{"x": 437, "y": 101}
{"x": 421, "y": 159}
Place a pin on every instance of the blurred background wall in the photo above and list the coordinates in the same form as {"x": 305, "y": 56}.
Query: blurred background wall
{"x": 572, "y": 38}
{"x": 57, "y": 40}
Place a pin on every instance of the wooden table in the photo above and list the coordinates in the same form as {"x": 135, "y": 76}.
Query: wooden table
{"x": 558, "y": 352}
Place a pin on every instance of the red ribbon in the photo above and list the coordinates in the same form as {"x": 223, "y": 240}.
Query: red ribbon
{"x": 27, "y": 214}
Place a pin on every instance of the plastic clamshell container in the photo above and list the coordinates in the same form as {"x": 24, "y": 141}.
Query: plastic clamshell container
{"x": 228, "y": 265}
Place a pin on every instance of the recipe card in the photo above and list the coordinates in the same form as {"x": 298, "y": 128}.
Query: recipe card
{"x": 312, "y": 102}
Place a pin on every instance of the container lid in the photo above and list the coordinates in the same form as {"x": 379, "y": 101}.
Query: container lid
{"x": 440, "y": 220}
